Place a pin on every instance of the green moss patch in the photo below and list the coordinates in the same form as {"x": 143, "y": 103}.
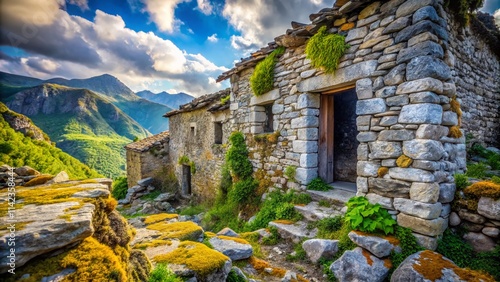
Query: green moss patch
{"x": 262, "y": 79}
{"x": 325, "y": 50}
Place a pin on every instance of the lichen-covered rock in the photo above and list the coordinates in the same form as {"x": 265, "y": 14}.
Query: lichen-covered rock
{"x": 377, "y": 245}
{"x": 489, "y": 208}
{"x": 431, "y": 266}
{"x": 317, "y": 249}
{"x": 227, "y": 232}
{"x": 60, "y": 177}
{"x": 25, "y": 171}
{"x": 234, "y": 248}
{"x": 360, "y": 265}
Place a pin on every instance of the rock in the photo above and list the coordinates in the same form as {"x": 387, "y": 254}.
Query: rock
{"x": 290, "y": 276}
{"x": 426, "y": 48}
{"x": 356, "y": 33}
{"x": 294, "y": 231}
{"x": 317, "y": 249}
{"x": 411, "y": 174}
{"x": 239, "y": 273}
{"x": 491, "y": 231}
{"x": 396, "y": 75}
{"x": 421, "y": 113}
{"x": 430, "y": 131}
{"x": 428, "y": 242}
{"x": 409, "y": 7}
{"x": 489, "y": 208}
{"x": 423, "y": 149}
{"x": 385, "y": 150}
{"x": 370, "y": 106}
{"x": 410, "y": 269}
{"x": 424, "y": 97}
{"x": 227, "y": 232}
{"x": 378, "y": 246}
{"x": 427, "y": 66}
{"x": 359, "y": 265}
{"x": 146, "y": 181}
{"x": 480, "y": 242}
{"x": 60, "y": 177}
{"x": 164, "y": 197}
{"x": 494, "y": 150}
{"x": 432, "y": 227}
{"x": 424, "y": 192}
{"x": 25, "y": 171}
{"x": 389, "y": 187}
{"x": 396, "y": 135}
{"x": 416, "y": 208}
{"x": 377, "y": 199}
{"x": 5, "y": 168}
{"x": 58, "y": 276}
{"x": 235, "y": 250}
{"x": 421, "y": 27}
{"x": 397, "y": 25}
{"x": 472, "y": 217}
{"x": 454, "y": 219}
{"x": 446, "y": 192}
{"x": 365, "y": 168}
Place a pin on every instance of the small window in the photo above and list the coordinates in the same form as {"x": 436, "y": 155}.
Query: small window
{"x": 193, "y": 129}
{"x": 268, "y": 124}
{"x": 218, "y": 132}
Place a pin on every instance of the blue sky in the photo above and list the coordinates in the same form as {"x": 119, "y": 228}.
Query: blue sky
{"x": 160, "y": 45}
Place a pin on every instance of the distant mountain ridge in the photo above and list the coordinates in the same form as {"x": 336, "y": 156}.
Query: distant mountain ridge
{"x": 147, "y": 113}
{"x": 171, "y": 100}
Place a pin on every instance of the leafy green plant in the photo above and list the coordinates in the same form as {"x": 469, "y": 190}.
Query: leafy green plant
{"x": 328, "y": 226}
{"x": 290, "y": 172}
{"x": 273, "y": 239}
{"x": 318, "y": 184}
{"x": 225, "y": 99}
{"x": 287, "y": 211}
{"x": 237, "y": 156}
{"x": 463, "y": 8}
{"x": 262, "y": 78}
{"x": 242, "y": 190}
{"x": 300, "y": 253}
{"x": 234, "y": 277}
{"x": 495, "y": 179}
{"x": 366, "y": 217}
{"x": 302, "y": 199}
{"x": 476, "y": 170}
{"x": 325, "y": 50}
{"x": 161, "y": 273}
{"x": 151, "y": 196}
{"x": 325, "y": 266}
{"x": 461, "y": 181}
{"x": 324, "y": 203}
{"x": 192, "y": 210}
{"x": 120, "y": 188}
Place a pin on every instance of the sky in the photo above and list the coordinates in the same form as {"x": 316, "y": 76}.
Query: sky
{"x": 158, "y": 45}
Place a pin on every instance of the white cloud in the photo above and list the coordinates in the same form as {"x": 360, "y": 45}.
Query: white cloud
{"x": 496, "y": 15}
{"x": 213, "y": 38}
{"x": 162, "y": 13}
{"x": 260, "y": 21}
{"x": 73, "y": 47}
{"x": 205, "y": 7}
{"x": 83, "y": 4}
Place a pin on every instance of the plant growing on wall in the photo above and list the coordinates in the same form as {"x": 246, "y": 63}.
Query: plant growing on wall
{"x": 184, "y": 160}
{"x": 366, "y": 217}
{"x": 237, "y": 157}
{"x": 462, "y": 8}
{"x": 290, "y": 172}
{"x": 262, "y": 78}
{"x": 325, "y": 50}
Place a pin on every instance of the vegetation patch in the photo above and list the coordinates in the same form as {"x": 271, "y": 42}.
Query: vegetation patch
{"x": 159, "y": 217}
{"x": 153, "y": 243}
{"x": 325, "y": 50}
{"x": 39, "y": 180}
{"x": 262, "y": 79}
{"x": 187, "y": 230}
{"x": 120, "y": 187}
{"x": 225, "y": 99}
{"x": 404, "y": 161}
{"x": 483, "y": 189}
{"x": 290, "y": 172}
{"x": 463, "y": 8}
{"x": 461, "y": 181}
{"x": 364, "y": 216}
{"x": 161, "y": 273}
{"x": 408, "y": 244}
{"x": 476, "y": 170}
{"x": 318, "y": 184}
{"x": 184, "y": 160}
{"x": 455, "y": 132}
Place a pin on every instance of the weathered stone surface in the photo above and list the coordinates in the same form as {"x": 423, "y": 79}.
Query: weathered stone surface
{"x": 491, "y": 231}
{"x": 356, "y": 33}
{"x": 365, "y": 168}
{"x": 226, "y": 231}
{"x": 317, "y": 249}
{"x": 420, "y": 27}
{"x": 454, "y": 219}
{"x": 305, "y": 175}
{"x": 60, "y": 177}
{"x": 353, "y": 266}
{"x": 369, "y": 10}
{"x": 308, "y": 100}
{"x": 407, "y": 272}
{"x": 163, "y": 197}
{"x": 382, "y": 46}
{"x": 397, "y": 25}
{"x": 480, "y": 242}
{"x": 423, "y": 149}
{"x": 389, "y": 187}
{"x": 370, "y": 106}
{"x": 424, "y": 192}
{"x": 366, "y": 136}
{"x": 295, "y": 232}
{"x": 364, "y": 89}
{"x": 450, "y": 118}
{"x": 388, "y": 121}
{"x": 234, "y": 250}
{"x": 396, "y": 135}
{"x": 432, "y": 227}
{"x": 430, "y": 131}
{"x": 411, "y": 174}
{"x": 421, "y": 85}
{"x": 418, "y": 209}
{"x": 24, "y": 171}
{"x": 421, "y": 113}
{"x": 421, "y": 38}
{"x": 489, "y": 208}
{"x": 385, "y": 92}
{"x": 426, "y": 48}
{"x": 378, "y": 246}
{"x": 427, "y": 66}
{"x": 472, "y": 217}
{"x": 446, "y": 192}
{"x": 385, "y": 150}
{"x": 424, "y": 97}
{"x": 308, "y": 160}
{"x": 385, "y": 202}
{"x": 396, "y": 75}
{"x": 146, "y": 181}
{"x": 428, "y": 242}
{"x": 409, "y": 7}
{"x": 300, "y": 146}
{"x": 399, "y": 100}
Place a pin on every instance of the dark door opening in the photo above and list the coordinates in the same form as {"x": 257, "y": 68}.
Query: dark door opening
{"x": 186, "y": 180}
{"x": 337, "y": 142}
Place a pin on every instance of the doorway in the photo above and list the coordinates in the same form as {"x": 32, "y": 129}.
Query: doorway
{"x": 337, "y": 136}
{"x": 186, "y": 180}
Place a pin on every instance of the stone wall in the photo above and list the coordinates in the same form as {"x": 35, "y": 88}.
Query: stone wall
{"x": 476, "y": 73}
{"x": 134, "y": 171}
{"x": 396, "y": 62}
{"x": 192, "y": 135}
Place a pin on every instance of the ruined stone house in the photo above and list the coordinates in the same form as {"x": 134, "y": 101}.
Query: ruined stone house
{"x": 390, "y": 104}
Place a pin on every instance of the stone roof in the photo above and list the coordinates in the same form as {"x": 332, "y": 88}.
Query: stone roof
{"x": 298, "y": 34}
{"x": 148, "y": 142}
{"x": 212, "y": 100}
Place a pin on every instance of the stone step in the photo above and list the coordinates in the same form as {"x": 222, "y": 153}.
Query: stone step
{"x": 313, "y": 211}
{"x": 294, "y": 231}
{"x": 337, "y": 196}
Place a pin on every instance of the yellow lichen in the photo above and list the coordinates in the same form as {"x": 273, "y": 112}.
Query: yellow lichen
{"x": 19, "y": 226}
{"x": 404, "y": 161}
{"x": 234, "y": 239}
{"x": 261, "y": 265}
{"x": 430, "y": 265}
{"x": 209, "y": 234}
{"x": 153, "y": 243}
{"x": 66, "y": 216}
{"x": 284, "y": 221}
{"x": 455, "y": 132}
{"x": 391, "y": 239}
{"x": 39, "y": 180}
{"x": 159, "y": 217}
{"x": 198, "y": 257}
{"x": 455, "y": 107}
{"x": 382, "y": 171}
{"x": 483, "y": 189}
{"x": 177, "y": 230}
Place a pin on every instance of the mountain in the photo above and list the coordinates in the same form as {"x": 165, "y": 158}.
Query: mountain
{"x": 171, "y": 100}
{"x": 23, "y": 143}
{"x": 148, "y": 114}
{"x": 82, "y": 123}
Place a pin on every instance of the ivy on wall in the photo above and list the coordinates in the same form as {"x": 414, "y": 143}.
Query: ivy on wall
{"x": 325, "y": 50}
{"x": 462, "y": 8}
{"x": 262, "y": 79}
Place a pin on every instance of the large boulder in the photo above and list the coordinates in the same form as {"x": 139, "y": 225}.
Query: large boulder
{"x": 431, "y": 266}
{"x": 60, "y": 177}
{"x": 25, "y": 171}
{"x": 234, "y": 248}
{"x": 360, "y": 265}
{"x": 379, "y": 246}
{"x": 317, "y": 249}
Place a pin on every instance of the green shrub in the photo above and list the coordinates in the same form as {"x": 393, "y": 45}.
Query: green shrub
{"x": 367, "y": 217}
{"x": 325, "y": 50}
{"x": 462, "y": 9}
{"x": 290, "y": 172}
{"x": 234, "y": 277}
{"x": 6, "y": 148}
{"x": 192, "y": 210}
{"x": 302, "y": 199}
{"x": 287, "y": 211}
{"x": 242, "y": 190}
{"x": 494, "y": 161}
{"x": 151, "y": 196}
{"x": 225, "y": 99}
{"x": 495, "y": 179}
{"x": 461, "y": 181}
{"x": 237, "y": 156}
{"x": 488, "y": 261}
{"x": 162, "y": 273}
{"x": 120, "y": 188}
{"x": 318, "y": 184}
{"x": 300, "y": 253}
{"x": 273, "y": 239}
{"x": 262, "y": 79}
{"x": 328, "y": 226}
{"x": 408, "y": 244}
{"x": 476, "y": 170}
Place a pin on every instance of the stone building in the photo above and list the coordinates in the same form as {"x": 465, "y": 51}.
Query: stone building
{"x": 147, "y": 157}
